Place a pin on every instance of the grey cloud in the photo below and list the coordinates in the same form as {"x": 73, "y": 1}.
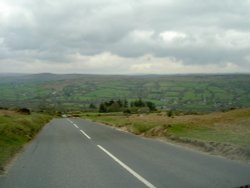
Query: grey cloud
{"x": 53, "y": 30}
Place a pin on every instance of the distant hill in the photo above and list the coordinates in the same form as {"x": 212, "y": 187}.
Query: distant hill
{"x": 28, "y": 78}
{"x": 10, "y": 74}
{"x": 65, "y": 92}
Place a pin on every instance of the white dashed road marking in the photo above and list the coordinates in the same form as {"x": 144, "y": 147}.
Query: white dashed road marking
{"x": 85, "y": 134}
{"x": 75, "y": 125}
{"x": 140, "y": 178}
{"x": 147, "y": 183}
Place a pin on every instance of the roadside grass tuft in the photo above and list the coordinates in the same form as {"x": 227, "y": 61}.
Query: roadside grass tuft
{"x": 140, "y": 127}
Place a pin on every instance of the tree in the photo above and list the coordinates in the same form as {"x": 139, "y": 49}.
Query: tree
{"x": 119, "y": 102}
{"x": 125, "y": 103}
{"x": 115, "y": 107}
{"x": 102, "y": 108}
{"x": 151, "y": 106}
{"x": 139, "y": 103}
{"x": 92, "y": 106}
{"x": 122, "y": 106}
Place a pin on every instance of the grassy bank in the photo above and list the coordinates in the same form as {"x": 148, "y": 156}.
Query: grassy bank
{"x": 224, "y": 130}
{"x": 16, "y": 129}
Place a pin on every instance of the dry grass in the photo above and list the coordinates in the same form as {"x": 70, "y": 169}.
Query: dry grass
{"x": 221, "y": 133}
{"x": 7, "y": 112}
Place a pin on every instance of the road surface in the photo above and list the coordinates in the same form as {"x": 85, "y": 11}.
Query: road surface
{"x": 74, "y": 153}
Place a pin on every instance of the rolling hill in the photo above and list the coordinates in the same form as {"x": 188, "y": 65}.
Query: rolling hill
{"x": 67, "y": 92}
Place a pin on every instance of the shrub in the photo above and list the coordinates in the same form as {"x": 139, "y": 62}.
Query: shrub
{"x": 24, "y": 111}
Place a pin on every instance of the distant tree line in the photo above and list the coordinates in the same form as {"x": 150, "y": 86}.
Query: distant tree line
{"x": 125, "y": 106}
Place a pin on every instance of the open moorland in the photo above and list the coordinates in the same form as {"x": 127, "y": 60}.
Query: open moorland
{"x": 223, "y": 133}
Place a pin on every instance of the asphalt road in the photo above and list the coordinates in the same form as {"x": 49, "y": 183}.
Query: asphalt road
{"x": 74, "y": 153}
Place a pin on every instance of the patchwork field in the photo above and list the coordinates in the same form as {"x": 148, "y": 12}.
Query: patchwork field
{"x": 192, "y": 93}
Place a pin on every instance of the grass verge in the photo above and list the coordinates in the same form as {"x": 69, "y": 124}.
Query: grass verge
{"x": 16, "y": 129}
{"x": 223, "y": 133}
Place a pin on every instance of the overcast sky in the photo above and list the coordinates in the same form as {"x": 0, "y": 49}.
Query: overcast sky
{"x": 125, "y": 37}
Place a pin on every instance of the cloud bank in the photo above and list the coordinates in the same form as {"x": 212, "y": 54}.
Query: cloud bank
{"x": 125, "y": 37}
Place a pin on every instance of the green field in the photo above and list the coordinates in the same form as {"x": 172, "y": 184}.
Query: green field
{"x": 16, "y": 129}
{"x": 193, "y": 93}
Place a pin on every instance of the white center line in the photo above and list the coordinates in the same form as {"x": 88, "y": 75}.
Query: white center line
{"x": 85, "y": 134}
{"x": 147, "y": 183}
{"x": 69, "y": 120}
{"x": 75, "y": 125}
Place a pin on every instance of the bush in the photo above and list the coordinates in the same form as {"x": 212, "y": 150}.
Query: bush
{"x": 24, "y": 111}
{"x": 127, "y": 111}
{"x": 170, "y": 113}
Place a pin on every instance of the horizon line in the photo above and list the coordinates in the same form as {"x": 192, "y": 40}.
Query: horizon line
{"x": 132, "y": 74}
